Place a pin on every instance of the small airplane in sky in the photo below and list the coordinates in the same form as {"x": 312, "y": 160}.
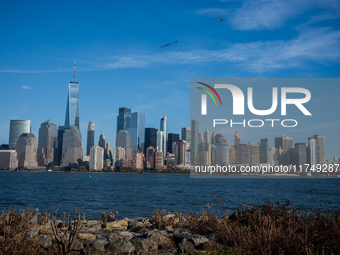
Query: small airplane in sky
{"x": 221, "y": 20}
{"x": 168, "y": 44}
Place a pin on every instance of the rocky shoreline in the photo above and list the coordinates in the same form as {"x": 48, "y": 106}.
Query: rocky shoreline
{"x": 127, "y": 236}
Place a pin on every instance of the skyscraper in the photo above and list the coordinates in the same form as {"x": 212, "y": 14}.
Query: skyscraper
{"x": 320, "y": 148}
{"x": 102, "y": 143}
{"x": 180, "y": 152}
{"x": 123, "y": 119}
{"x": 96, "y": 158}
{"x": 163, "y": 128}
{"x": 186, "y": 134}
{"x": 313, "y": 155}
{"x": 123, "y": 140}
{"x": 194, "y": 142}
{"x": 72, "y": 150}
{"x": 17, "y": 127}
{"x": 160, "y": 140}
{"x": 172, "y": 138}
{"x": 150, "y": 138}
{"x": 47, "y": 144}
{"x": 72, "y": 107}
{"x": 137, "y": 131}
{"x": 264, "y": 150}
{"x": 283, "y": 144}
{"x": 27, "y": 150}
{"x": 90, "y": 137}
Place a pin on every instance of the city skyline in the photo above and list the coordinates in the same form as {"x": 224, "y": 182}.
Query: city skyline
{"x": 124, "y": 66}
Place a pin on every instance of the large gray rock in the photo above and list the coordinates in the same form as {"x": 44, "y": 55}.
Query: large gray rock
{"x": 32, "y": 232}
{"x": 96, "y": 227}
{"x": 197, "y": 240}
{"x": 119, "y": 244}
{"x": 99, "y": 244}
{"x": 180, "y": 233}
{"x": 78, "y": 246}
{"x": 86, "y": 238}
{"x": 44, "y": 240}
{"x": 144, "y": 244}
{"x": 186, "y": 247}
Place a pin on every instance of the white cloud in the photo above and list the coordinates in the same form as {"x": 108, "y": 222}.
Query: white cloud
{"x": 26, "y": 87}
{"x": 271, "y": 14}
{"x": 319, "y": 45}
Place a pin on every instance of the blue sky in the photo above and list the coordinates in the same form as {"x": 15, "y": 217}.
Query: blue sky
{"x": 120, "y": 62}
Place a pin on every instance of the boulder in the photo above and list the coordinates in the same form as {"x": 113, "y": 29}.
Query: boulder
{"x": 119, "y": 224}
{"x": 186, "y": 247}
{"x": 86, "y": 238}
{"x": 44, "y": 240}
{"x": 197, "y": 240}
{"x": 94, "y": 228}
{"x": 99, "y": 244}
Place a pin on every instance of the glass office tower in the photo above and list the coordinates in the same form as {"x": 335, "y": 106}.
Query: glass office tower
{"x": 72, "y": 107}
{"x": 137, "y": 131}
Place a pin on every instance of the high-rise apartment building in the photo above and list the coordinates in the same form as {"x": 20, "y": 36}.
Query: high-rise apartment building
{"x": 8, "y": 159}
{"x": 237, "y": 139}
{"x": 137, "y": 131}
{"x": 26, "y": 148}
{"x": 72, "y": 150}
{"x": 300, "y": 152}
{"x": 72, "y": 107}
{"x": 123, "y": 119}
{"x": 118, "y": 156}
{"x": 160, "y": 140}
{"x": 222, "y": 154}
{"x": 320, "y": 147}
{"x": 163, "y": 129}
{"x": 18, "y": 127}
{"x": 90, "y": 137}
{"x": 96, "y": 158}
{"x": 313, "y": 154}
{"x": 47, "y": 143}
{"x": 102, "y": 143}
{"x": 194, "y": 142}
{"x": 254, "y": 154}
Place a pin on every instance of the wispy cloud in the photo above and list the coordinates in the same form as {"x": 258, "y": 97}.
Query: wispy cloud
{"x": 319, "y": 45}
{"x": 35, "y": 71}
{"x": 270, "y": 14}
{"x": 26, "y": 87}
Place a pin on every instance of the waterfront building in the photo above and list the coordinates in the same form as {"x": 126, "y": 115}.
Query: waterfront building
{"x": 90, "y": 137}
{"x": 187, "y": 157}
{"x": 72, "y": 107}
{"x": 254, "y": 154}
{"x": 163, "y": 129}
{"x": 102, "y": 143}
{"x": 300, "y": 152}
{"x": 203, "y": 158}
{"x": 233, "y": 159}
{"x": 108, "y": 154}
{"x": 8, "y": 159}
{"x": 264, "y": 150}
{"x": 160, "y": 140}
{"x": 123, "y": 140}
{"x": 222, "y": 155}
{"x": 313, "y": 154}
{"x": 158, "y": 160}
{"x": 243, "y": 153}
{"x": 320, "y": 148}
{"x": 194, "y": 142}
{"x": 72, "y": 150}
{"x": 150, "y": 151}
{"x": 118, "y": 156}
{"x": 180, "y": 153}
{"x": 137, "y": 160}
{"x": 271, "y": 157}
{"x": 47, "y": 143}
{"x": 18, "y": 127}
{"x": 123, "y": 119}
{"x": 26, "y": 149}
{"x": 137, "y": 131}
{"x": 283, "y": 144}
{"x": 96, "y": 158}
{"x": 150, "y": 138}
{"x": 61, "y": 130}
{"x": 172, "y": 138}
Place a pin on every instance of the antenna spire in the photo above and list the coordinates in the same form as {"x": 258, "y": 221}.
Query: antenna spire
{"x": 74, "y": 71}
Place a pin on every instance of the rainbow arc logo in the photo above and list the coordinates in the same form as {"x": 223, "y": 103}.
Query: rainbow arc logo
{"x": 209, "y": 93}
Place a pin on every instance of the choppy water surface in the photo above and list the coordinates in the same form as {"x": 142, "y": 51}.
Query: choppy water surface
{"x": 135, "y": 195}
